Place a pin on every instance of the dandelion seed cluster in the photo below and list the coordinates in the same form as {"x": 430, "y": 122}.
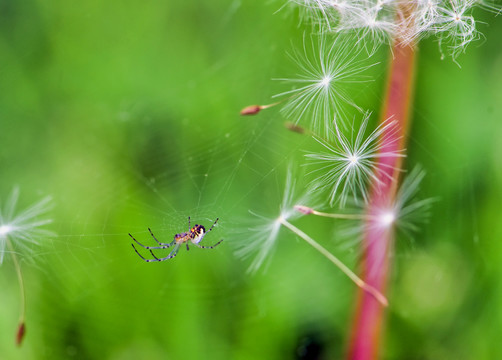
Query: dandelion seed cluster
{"x": 451, "y": 21}
{"x": 355, "y": 165}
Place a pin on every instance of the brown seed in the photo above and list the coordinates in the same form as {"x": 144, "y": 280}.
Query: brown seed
{"x": 251, "y": 110}
{"x": 21, "y": 331}
{"x": 295, "y": 128}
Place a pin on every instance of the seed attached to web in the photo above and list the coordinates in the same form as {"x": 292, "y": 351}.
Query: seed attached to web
{"x": 255, "y": 109}
{"x": 251, "y": 110}
{"x": 295, "y": 128}
{"x": 21, "y": 330}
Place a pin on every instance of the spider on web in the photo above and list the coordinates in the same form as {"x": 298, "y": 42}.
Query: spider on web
{"x": 194, "y": 235}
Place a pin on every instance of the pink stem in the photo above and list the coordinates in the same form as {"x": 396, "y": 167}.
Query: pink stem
{"x": 378, "y": 240}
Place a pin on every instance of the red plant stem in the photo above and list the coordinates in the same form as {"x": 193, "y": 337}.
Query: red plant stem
{"x": 378, "y": 240}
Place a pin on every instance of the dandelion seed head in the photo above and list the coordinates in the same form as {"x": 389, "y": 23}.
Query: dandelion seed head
{"x": 5, "y": 229}
{"x": 261, "y": 239}
{"x": 348, "y": 164}
{"x": 325, "y": 81}
{"x": 25, "y": 227}
{"x": 353, "y": 160}
{"x": 387, "y": 218}
{"x": 405, "y": 211}
{"x": 320, "y": 91}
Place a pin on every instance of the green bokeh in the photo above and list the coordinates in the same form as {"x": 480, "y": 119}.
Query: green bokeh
{"x": 126, "y": 113}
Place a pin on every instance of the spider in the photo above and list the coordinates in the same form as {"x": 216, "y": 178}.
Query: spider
{"x": 195, "y": 235}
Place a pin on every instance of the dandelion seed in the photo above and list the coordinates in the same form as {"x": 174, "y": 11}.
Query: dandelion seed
{"x": 349, "y": 165}
{"x": 25, "y": 228}
{"x": 326, "y": 70}
{"x": 295, "y": 128}
{"x": 255, "y": 109}
{"x": 264, "y": 239}
{"x": 251, "y": 110}
{"x": 404, "y": 212}
{"x": 19, "y": 231}
{"x": 456, "y": 26}
{"x": 385, "y": 214}
{"x": 21, "y": 332}
{"x": 264, "y": 236}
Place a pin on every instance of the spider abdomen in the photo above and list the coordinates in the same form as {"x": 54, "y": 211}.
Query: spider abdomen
{"x": 182, "y": 238}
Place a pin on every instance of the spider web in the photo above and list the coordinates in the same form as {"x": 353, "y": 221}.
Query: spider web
{"x": 218, "y": 177}
{"x": 157, "y": 182}
{"x": 118, "y": 162}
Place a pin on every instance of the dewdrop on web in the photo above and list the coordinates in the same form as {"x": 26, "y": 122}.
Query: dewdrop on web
{"x": 20, "y": 231}
{"x": 348, "y": 164}
{"x": 264, "y": 237}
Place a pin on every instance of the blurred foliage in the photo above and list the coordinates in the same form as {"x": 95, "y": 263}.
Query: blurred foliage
{"x": 127, "y": 114}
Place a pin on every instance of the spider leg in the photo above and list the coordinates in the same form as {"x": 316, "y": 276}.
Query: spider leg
{"x": 208, "y": 247}
{"x": 212, "y": 226}
{"x": 150, "y": 247}
{"x": 132, "y": 237}
{"x": 172, "y": 254}
{"x": 137, "y": 252}
{"x": 158, "y": 242}
{"x": 155, "y": 257}
{"x": 187, "y": 246}
{"x": 189, "y": 224}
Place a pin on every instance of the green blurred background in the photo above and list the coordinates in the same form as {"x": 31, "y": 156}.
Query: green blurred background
{"x": 126, "y": 113}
